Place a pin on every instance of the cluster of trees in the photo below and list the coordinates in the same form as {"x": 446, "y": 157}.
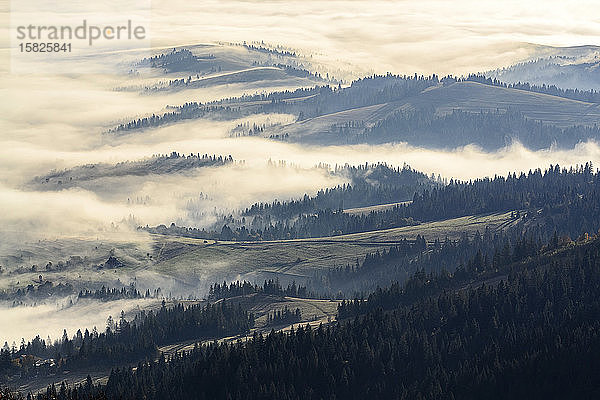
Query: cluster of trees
{"x": 269, "y": 287}
{"x": 490, "y": 130}
{"x": 562, "y": 71}
{"x": 106, "y": 294}
{"x": 527, "y": 335}
{"x": 35, "y": 293}
{"x": 244, "y": 129}
{"x": 322, "y": 223}
{"x": 380, "y": 268}
{"x": 565, "y": 200}
{"x": 322, "y": 214}
{"x": 303, "y": 73}
{"x": 284, "y": 316}
{"x": 126, "y": 341}
{"x": 370, "y": 184}
{"x": 269, "y": 50}
{"x": 463, "y": 262}
{"x": 187, "y": 111}
{"x": 400, "y": 262}
{"x": 175, "y": 61}
{"x": 376, "y": 89}
{"x": 568, "y": 199}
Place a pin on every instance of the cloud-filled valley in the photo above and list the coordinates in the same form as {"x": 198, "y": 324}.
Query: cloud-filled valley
{"x": 288, "y": 141}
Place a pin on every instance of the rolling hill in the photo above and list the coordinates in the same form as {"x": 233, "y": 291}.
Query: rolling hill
{"x": 565, "y": 67}
{"x": 471, "y": 97}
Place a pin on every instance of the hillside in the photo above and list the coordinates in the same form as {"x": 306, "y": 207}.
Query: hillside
{"x": 435, "y": 103}
{"x": 211, "y": 65}
{"x": 527, "y": 334}
{"x": 173, "y": 163}
{"x": 565, "y": 67}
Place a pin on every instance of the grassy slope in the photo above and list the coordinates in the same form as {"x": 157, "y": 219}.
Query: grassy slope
{"x": 296, "y": 259}
{"x": 473, "y": 96}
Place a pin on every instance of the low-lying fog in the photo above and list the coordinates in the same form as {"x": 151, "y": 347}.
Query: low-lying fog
{"x": 50, "y": 320}
{"x": 188, "y": 197}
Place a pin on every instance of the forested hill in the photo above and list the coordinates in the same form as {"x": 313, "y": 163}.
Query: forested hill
{"x": 575, "y": 67}
{"x": 320, "y": 215}
{"x": 370, "y": 184}
{"x": 157, "y": 164}
{"x": 529, "y": 334}
{"x": 557, "y": 199}
{"x": 488, "y": 129}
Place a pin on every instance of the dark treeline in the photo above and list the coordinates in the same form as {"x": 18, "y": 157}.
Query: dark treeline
{"x": 376, "y": 269}
{"x": 47, "y": 290}
{"x": 528, "y": 335}
{"x": 322, "y": 214}
{"x": 320, "y": 224}
{"x": 590, "y": 96}
{"x": 320, "y": 100}
{"x": 182, "y": 113}
{"x": 421, "y": 127}
{"x": 370, "y": 184}
{"x": 106, "y": 294}
{"x": 284, "y": 316}
{"x": 126, "y": 341}
{"x": 566, "y": 200}
{"x": 563, "y": 200}
{"x": 175, "y": 61}
{"x": 269, "y": 50}
{"x": 405, "y": 259}
{"x": 462, "y": 263}
{"x": 560, "y": 70}
{"x": 269, "y": 287}
{"x": 556, "y": 203}
{"x": 193, "y": 81}
{"x": 42, "y": 291}
{"x": 490, "y": 130}
{"x": 362, "y": 92}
